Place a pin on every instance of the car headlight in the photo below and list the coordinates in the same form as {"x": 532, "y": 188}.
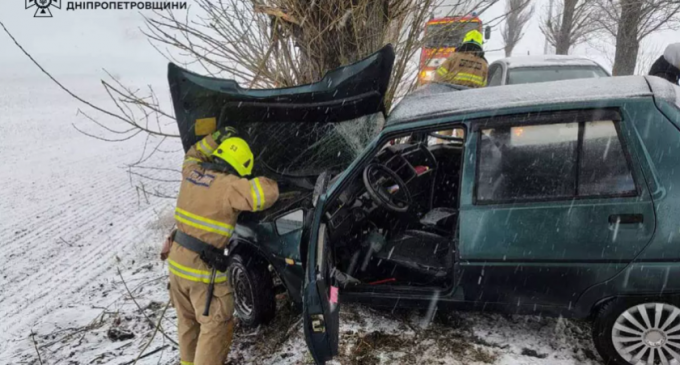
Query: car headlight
{"x": 427, "y": 75}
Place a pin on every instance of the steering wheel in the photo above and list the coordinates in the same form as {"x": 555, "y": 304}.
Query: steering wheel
{"x": 386, "y": 188}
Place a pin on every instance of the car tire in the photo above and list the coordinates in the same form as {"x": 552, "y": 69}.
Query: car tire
{"x": 254, "y": 298}
{"x": 649, "y": 334}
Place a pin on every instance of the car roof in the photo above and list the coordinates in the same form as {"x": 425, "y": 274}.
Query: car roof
{"x": 546, "y": 61}
{"x": 434, "y": 100}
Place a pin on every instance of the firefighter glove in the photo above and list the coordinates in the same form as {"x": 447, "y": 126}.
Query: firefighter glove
{"x": 224, "y": 133}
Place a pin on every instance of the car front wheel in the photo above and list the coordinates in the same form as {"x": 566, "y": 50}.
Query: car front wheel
{"x": 638, "y": 332}
{"x": 254, "y": 300}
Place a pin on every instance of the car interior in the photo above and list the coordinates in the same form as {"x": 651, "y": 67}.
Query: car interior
{"x": 396, "y": 223}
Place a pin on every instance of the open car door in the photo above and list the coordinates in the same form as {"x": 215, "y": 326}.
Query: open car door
{"x": 320, "y": 305}
{"x": 297, "y": 132}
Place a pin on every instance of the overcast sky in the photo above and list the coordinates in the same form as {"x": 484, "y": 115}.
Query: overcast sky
{"x": 79, "y": 42}
{"x": 86, "y": 41}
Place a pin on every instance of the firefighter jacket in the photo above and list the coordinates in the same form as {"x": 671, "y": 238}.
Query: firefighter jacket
{"x": 668, "y": 65}
{"x": 465, "y": 69}
{"x": 208, "y": 205}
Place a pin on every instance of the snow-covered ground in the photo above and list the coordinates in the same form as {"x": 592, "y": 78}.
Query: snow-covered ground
{"x": 80, "y": 282}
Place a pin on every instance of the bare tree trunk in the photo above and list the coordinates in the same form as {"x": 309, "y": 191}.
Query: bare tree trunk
{"x": 341, "y": 35}
{"x": 629, "y": 22}
{"x": 574, "y": 21}
{"x": 626, "y": 56}
{"x": 627, "y": 41}
{"x": 563, "y": 41}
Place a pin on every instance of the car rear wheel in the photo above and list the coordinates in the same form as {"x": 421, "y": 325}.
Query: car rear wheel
{"x": 638, "y": 332}
{"x": 254, "y": 300}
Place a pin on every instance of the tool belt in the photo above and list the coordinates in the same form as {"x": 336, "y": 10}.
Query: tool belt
{"x": 211, "y": 255}
{"x": 217, "y": 259}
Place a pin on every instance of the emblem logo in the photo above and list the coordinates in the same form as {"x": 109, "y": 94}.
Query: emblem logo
{"x": 43, "y": 7}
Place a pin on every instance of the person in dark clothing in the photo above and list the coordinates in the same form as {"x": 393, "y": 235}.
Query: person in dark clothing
{"x": 668, "y": 65}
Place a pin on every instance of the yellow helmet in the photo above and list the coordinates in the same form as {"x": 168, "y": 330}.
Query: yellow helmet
{"x": 236, "y": 152}
{"x": 474, "y": 36}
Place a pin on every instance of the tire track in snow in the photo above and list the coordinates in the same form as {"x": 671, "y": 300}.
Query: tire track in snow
{"x": 74, "y": 188}
{"x": 87, "y": 263}
{"x": 59, "y": 226}
{"x": 96, "y": 261}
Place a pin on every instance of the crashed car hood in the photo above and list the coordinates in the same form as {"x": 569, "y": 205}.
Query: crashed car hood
{"x": 294, "y": 132}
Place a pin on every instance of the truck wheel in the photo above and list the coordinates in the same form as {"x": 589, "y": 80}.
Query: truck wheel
{"x": 254, "y": 300}
{"x": 631, "y": 332}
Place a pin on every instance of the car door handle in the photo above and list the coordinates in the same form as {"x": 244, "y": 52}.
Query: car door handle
{"x": 626, "y": 218}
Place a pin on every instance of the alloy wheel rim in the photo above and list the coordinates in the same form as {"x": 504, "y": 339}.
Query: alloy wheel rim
{"x": 243, "y": 299}
{"x": 648, "y": 334}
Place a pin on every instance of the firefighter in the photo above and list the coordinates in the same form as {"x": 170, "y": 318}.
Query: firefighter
{"x": 215, "y": 188}
{"x": 467, "y": 66}
{"x": 668, "y": 65}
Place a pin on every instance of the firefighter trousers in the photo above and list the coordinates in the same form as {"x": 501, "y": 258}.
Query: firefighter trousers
{"x": 202, "y": 340}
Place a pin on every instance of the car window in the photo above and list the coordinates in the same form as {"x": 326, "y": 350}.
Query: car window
{"x": 604, "y": 168}
{"x": 447, "y": 34}
{"x": 448, "y": 136}
{"x": 529, "y": 162}
{"x": 538, "y": 162}
{"x": 495, "y": 75}
{"x": 290, "y": 222}
{"x": 530, "y": 75}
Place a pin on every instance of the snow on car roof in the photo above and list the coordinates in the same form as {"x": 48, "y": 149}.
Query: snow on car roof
{"x": 435, "y": 100}
{"x": 548, "y": 60}
{"x": 664, "y": 90}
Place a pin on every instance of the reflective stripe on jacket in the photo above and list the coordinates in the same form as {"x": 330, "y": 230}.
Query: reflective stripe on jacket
{"x": 465, "y": 69}
{"x": 202, "y": 223}
{"x": 194, "y": 274}
{"x": 208, "y": 205}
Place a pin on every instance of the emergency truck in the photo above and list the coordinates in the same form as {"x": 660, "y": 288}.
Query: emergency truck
{"x": 442, "y": 36}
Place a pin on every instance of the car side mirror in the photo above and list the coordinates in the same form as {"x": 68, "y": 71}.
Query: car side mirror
{"x": 487, "y": 32}
{"x": 320, "y": 186}
{"x": 290, "y": 222}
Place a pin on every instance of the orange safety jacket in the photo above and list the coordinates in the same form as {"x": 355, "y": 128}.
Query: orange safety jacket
{"x": 463, "y": 68}
{"x": 208, "y": 205}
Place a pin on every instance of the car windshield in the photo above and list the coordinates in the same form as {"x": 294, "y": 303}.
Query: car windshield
{"x": 530, "y": 75}
{"x": 319, "y": 147}
{"x": 447, "y": 34}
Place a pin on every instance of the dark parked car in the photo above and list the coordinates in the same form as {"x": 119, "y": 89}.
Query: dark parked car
{"x": 556, "y": 198}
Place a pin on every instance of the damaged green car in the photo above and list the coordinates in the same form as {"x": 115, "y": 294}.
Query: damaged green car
{"x": 556, "y": 198}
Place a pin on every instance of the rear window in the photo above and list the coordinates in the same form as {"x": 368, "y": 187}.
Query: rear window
{"x": 552, "y": 161}
{"x": 530, "y": 75}
{"x": 603, "y": 167}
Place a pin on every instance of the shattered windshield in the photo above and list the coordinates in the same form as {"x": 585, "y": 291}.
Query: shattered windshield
{"x": 307, "y": 149}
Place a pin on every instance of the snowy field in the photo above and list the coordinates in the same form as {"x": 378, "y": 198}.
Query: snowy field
{"x": 80, "y": 282}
